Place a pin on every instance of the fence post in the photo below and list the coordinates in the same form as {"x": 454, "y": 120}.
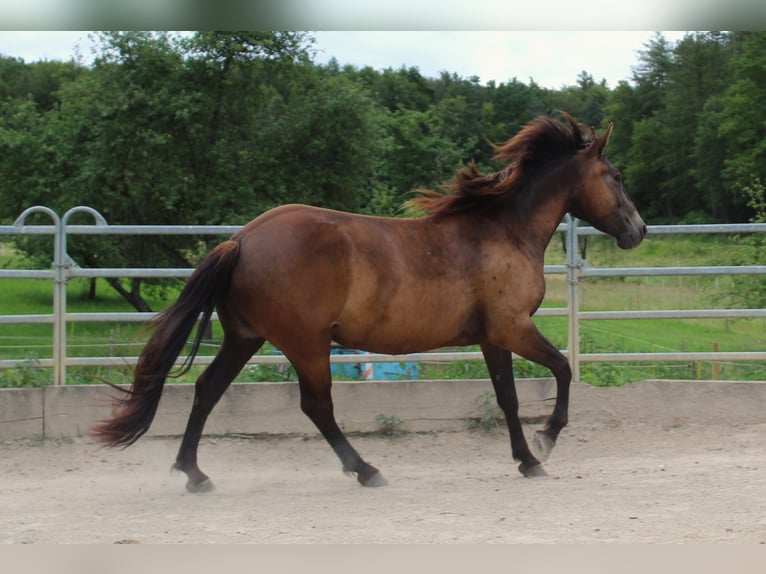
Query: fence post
{"x": 573, "y": 303}
{"x": 63, "y": 264}
{"x": 59, "y": 331}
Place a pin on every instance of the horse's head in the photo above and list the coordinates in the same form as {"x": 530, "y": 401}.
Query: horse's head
{"x": 600, "y": 197}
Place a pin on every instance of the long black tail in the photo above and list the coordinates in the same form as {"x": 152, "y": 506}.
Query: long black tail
{"x": 133, "y": 414}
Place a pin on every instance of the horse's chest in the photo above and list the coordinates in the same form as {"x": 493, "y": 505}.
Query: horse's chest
{"x": 517, "y": 286}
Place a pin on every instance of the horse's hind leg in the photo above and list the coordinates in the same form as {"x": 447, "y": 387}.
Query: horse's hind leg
{"x": 316, "y": 402}
{"x": 210, "y": 386}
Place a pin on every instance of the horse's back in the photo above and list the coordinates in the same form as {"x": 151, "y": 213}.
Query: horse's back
{"x": 379, "y": 283}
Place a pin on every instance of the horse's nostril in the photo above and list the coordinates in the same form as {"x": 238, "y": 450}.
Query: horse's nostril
{"x": 644, "y": 229}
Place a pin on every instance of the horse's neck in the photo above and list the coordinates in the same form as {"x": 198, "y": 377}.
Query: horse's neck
{"x": 540, "y": 211}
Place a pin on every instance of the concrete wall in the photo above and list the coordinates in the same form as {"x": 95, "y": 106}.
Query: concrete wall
{"x": 273, "y": 408}
{"x": 263, "y": 408}
{"x": 21, "y": 413}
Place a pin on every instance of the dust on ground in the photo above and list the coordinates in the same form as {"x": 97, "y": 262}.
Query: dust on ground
{"x": 609, "y": 482}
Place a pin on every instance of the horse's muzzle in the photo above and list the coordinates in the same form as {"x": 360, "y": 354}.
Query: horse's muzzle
{"x": 633, "y": 234}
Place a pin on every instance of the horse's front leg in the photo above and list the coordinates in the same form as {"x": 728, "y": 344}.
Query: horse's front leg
{"x": 533, "y": 346}
{"x": 500, "y": 365}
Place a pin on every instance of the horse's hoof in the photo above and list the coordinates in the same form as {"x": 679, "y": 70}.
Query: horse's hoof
{"x": 376, "y": 479}
{"x": 543, "y": 445}
{"x": 534, "y": 471}
{"x": 200, "y": 487}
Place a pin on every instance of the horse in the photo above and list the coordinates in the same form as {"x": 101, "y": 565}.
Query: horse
{"x": 468, "y": 270}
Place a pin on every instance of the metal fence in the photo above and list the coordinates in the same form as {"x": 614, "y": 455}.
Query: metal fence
{"x": 64, "y": 268}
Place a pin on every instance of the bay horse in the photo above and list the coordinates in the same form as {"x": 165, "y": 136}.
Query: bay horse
{"x": 467, "y": 272}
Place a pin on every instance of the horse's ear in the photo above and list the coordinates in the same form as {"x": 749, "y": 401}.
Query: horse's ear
{"x": 576, "y": 131}
{"x": 604, "y": 139}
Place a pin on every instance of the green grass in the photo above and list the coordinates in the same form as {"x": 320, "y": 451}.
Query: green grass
{"x": 596, "y": 294}
{"x": 31, "y": 342}
{"x": 645, "y": 293}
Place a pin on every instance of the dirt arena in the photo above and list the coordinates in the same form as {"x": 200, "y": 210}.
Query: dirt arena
{"x": 674, "y": 480}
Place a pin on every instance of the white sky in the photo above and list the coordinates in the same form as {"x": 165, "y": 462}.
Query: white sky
{"x": 552, "y": 58}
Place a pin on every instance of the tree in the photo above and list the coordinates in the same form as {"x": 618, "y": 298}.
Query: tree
{"x": 621, "y": 109}
{"x": 650, "y": 75}
{"x": 645, "y": 170}
{"x": 584, "y": 101}
{"x": 213, "y": 129}
{"x": 319, "y": 143}
{"x": 709, "y": 156}
{"x": 38, "y": 81}
{"x": 668, "y": 141}
{"x": 514, "y": 104}
{"x": 698, "y": 74}
{"x": 402, "y": 89}
{"x": 750, "y": 290}
{"x": 742, "y": 122}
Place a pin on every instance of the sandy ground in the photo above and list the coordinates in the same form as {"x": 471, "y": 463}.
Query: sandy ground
{"x": 610, "y": 482}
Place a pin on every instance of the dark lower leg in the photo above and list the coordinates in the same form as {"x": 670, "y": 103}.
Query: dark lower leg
{"x": 366, "y": 474}
{"x": 500, "y": 365}
{"x": 545, "y": 439}
{"x": 560, "y": 415}
{"x": 186, "y": 461}
{"x": 316, "y": 403}
{"x": 538, "y": 349}
{"x": 208, "y": 391}
{"x": 508, "y": 401}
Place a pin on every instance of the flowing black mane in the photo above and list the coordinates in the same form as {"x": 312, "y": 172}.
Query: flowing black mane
{"x": 541, "y": 141}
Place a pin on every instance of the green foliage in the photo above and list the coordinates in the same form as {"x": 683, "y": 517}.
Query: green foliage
{"x": 742, "y": 128}
{"x": 689, "y": 135}
{"x": 388, "y": 425}
{"x": 209, "y": 130}
{"x": 267, "y": 373}
{"x": 217, "y": 127}
{"x": 489, "y": 414}
{"x": 749, "y": 291}
{"x": 29, "y": 375}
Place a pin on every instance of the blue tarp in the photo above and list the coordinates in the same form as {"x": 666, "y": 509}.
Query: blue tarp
{"x": 373, "y": 371}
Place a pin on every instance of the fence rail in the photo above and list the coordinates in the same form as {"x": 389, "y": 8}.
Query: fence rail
{"x": 64, "y": 268}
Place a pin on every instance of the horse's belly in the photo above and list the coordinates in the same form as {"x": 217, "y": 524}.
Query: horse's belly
{"x": 409, "y": 329}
